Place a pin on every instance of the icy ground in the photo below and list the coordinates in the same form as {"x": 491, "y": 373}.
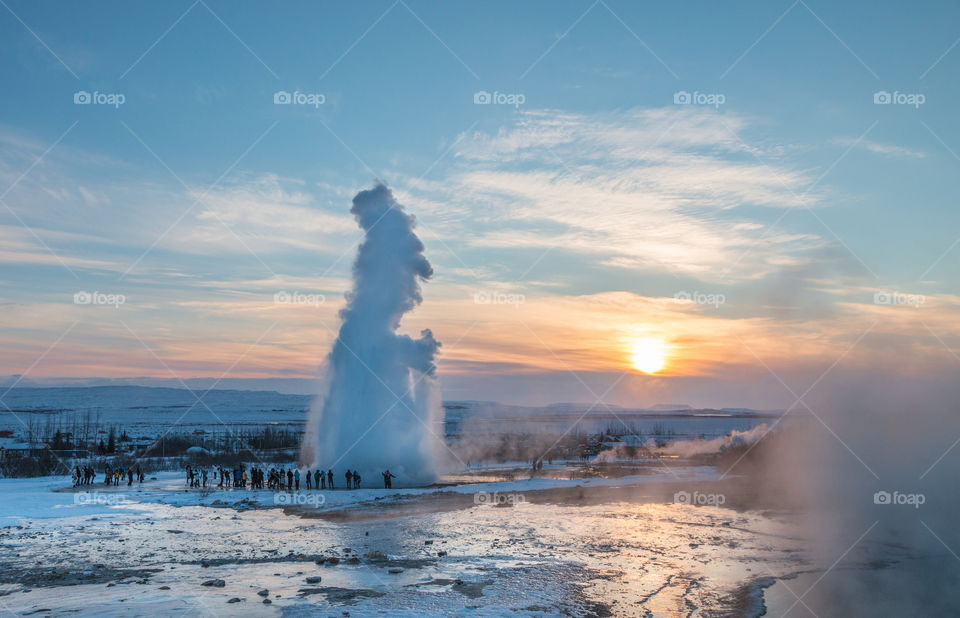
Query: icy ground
{"x": 601, "y": 546}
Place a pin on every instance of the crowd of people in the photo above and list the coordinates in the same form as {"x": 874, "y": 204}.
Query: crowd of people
{"x": 111, "y": 475}
{"x": 277, "y": 479}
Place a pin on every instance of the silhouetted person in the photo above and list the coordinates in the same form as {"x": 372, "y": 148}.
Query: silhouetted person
{"x": 349, "y": 476}
{"x": 330, "y": 479}
{"x": 387, "y": 479}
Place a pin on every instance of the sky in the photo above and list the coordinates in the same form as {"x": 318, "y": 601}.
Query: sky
{"x": 764, "y": 193}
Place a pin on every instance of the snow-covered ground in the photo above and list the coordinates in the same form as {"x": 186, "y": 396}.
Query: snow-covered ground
{"x": 150, "y": 411}
{"x": 555, "y": 546}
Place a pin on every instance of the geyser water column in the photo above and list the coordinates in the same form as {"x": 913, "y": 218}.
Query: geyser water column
{"x": 381, "y": 409}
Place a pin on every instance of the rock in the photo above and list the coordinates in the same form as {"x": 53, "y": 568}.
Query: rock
{"x": 267, "y": 601}
{"x": 441, "y": 554}
{"x": 333, "y": 561}
{"x": 264, "y": 593}
{"x": 353, "y": 560}
{"x": 376, "y": 555}
{"x": 235, "y": 600}
{"x": 428, "y": 542}
{"x": 216, "y": 583}
{"x": 312, "y": 580}
{"x": 164, "y": 588}
{"x": 395, "y": 570}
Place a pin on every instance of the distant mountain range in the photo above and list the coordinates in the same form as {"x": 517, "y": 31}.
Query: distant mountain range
{"x": 117, "y": 398}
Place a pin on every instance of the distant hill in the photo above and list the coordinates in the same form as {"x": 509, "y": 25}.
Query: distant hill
{"x": 669, "y": 407}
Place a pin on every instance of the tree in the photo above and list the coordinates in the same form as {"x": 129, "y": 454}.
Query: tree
{"x": 112, "y": 441}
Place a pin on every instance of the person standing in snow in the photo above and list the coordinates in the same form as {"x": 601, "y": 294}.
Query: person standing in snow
{"x": 296, "y": 478}
{"x": 349, "y": 476}
{"x": 309, "y": 479}
{"x": 330, "y": 479}
{"x": 387, "y": 479}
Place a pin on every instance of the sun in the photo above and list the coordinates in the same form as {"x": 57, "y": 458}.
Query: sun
{"x": 648, "y": 354}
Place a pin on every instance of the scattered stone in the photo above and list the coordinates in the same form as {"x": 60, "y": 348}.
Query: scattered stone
{"x": 264, "y": 593}
{"x": 311, "y": 580}
{"x": 395, "y": 570}
{"x": 441, "y": 554}
{"x": 267, "y": 601}
{"x": 353, "y": 560}
{"x": 175, "y": 531}
{"x": 428, "y": 542}
{"x": 164, "y": 588}
{"x": 333, "y": 561}
{"x": 215, "y": 583}
{"x": 235, "y": 600}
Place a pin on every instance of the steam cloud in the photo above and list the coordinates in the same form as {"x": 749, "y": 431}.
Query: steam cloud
{"x": 381, "y": 408}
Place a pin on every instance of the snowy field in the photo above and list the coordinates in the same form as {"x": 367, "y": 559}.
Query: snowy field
{"x": 599, "y": 546}
{"x": 149, "y": 411}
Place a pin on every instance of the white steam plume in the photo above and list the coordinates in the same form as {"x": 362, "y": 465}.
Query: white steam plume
{"x": 381, "y": 408}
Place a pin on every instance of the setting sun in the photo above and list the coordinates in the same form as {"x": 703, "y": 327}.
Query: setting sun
{"x": 648, "y": 355}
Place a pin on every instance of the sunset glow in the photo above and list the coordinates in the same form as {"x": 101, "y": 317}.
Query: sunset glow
{"x": 648, "y": 354}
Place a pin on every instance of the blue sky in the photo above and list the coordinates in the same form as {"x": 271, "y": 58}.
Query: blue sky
{"x": 599, "y": 198}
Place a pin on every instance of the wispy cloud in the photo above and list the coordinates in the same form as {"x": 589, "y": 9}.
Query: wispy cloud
{"x": 649, "y": 189}
{"x": 881, "y": 148}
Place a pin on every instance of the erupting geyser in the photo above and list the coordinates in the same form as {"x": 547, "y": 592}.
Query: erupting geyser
{"x": 381, "y": 408}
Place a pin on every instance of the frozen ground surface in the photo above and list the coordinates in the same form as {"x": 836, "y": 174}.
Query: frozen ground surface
{"x": 600, "y": 546}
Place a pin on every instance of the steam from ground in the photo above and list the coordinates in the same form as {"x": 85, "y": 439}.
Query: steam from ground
{"x": 880, "y": 433}
{"x": 380, "y": 408}
{"x": 690, "y": 448}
